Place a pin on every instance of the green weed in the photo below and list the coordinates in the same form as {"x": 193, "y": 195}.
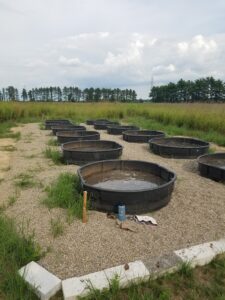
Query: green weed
{"x": 2, "y": 208}
{"x": 16, "y": 250}
{"x": 24, "y": 181}
{"x": 52, "y": 142}
{"x": 11, "y": 200}
{"x": 57, "y": 227}
{"x": 5, "y": 130}
{"x": 65, "y": 192}
{"x": 54, "y": 155}
{"x": 42, "y": 126}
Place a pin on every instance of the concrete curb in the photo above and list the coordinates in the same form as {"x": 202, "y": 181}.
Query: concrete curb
{"x": 43, "y": 282}
{"x": 47, "y": 284}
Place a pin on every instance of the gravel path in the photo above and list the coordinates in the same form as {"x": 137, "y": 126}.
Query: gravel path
{"x": 195, "y": 214}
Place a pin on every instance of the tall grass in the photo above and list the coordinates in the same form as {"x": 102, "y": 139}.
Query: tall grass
{"x": 196, "y": 116}
{"x": 171, "y": 129}
{"x": 16, "y": 250}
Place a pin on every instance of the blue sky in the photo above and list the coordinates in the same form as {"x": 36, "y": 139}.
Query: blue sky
{"x": 110, "y": 43}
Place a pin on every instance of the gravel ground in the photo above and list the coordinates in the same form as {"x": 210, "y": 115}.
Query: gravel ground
{"x": 195, "y": 214}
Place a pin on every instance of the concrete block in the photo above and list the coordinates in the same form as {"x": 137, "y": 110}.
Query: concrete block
{"x": 134, "y": 272}
{"x": 167, "y": 263}
{"x": 72, "y": 288}
{"x": 218, "y": 246}
{"x": 45, "y": 283}
{"x": 79, "y": 286}
{"x": 199, "y": 255}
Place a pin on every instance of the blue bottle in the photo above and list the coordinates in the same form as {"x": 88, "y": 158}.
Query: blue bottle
{"x": 121, "y": 212}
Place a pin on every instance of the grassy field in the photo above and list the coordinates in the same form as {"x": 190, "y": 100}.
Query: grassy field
{"x": 205, "y": 121}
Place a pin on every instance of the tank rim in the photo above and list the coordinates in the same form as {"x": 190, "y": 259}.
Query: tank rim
{"x": 90, "y": 133}
{"x": 210, "y": 164}
{"x": 154, "y": 140}
{"x": 126, "y": 191}
{"x": 129, "y": 132}
{"x": 120, "y": 147}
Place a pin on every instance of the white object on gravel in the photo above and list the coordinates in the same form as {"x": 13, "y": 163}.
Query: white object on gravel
{"x": 146, "y": 219}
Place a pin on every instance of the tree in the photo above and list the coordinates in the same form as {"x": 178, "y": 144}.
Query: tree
{"x": 97, "y": 94}
{"x": 202, "y": 89}
{"x": 12, "y": 93}
{"x": 24, "y": 95}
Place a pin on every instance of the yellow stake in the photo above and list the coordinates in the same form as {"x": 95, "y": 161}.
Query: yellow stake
{"x": 84, "y": 220}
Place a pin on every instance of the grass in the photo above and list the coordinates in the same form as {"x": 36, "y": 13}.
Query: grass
{"x": 52, "y": 142}
{"x": 42, "y": 126}
{"x": 16, "y": 250}
{"x": 171, "y": 130}
{"x": 206, "y": 121}
{"x": 212, "y": 150}
{"x": 11, "y": 200}
{"x": 54, "y": 155}
{"x": 65, "y": 192}
{"x": 57, "y": 227}
{"x": 5, "y": 130}
{"x": 206, "y": 283}
{"x": 36, "y": 168}
{"x": 16, "y": 135}
{"x": 3, "y": 207}
{"x": 24, "y": 181}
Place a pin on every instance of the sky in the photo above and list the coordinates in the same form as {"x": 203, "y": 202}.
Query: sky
{"x": 110, "y": 43}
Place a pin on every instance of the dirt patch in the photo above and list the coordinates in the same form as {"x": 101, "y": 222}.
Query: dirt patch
{"x": 195, "y": 214}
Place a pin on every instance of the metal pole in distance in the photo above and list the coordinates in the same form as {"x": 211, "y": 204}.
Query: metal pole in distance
{"x": 84, "y": 219}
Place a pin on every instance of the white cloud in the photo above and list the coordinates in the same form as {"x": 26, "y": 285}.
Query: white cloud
{"x": 131, "y": 55}
{"x": 198, "y": 44}
{"x": 104, "y": 34}
{"x": 36, "y": 63}
{"x": 201, "y": 43}
{"x": 152, "y": 42}
{"x": 183, "y": 47}
{"x": 69, "y": 61}
{"x": 160, "y": 69}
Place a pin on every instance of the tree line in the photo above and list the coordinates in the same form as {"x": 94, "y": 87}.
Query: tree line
{"x": 201, "y": 90}
{"x": 69, "y": 94}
